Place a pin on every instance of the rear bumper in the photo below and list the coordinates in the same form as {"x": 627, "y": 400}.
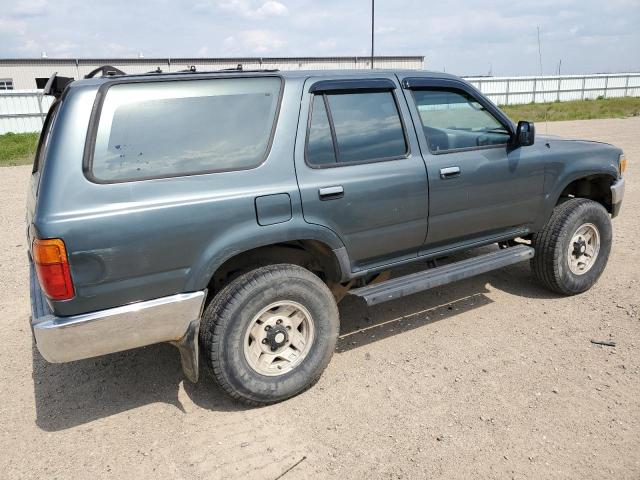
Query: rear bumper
{"x": 617, "y": 195}
{"x": 174, "y": 319}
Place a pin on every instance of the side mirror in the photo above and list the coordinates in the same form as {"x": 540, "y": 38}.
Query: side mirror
{"x": 525, "y": 133}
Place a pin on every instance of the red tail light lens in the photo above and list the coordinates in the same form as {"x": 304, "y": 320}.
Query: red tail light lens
{"x": 52, "y": 267}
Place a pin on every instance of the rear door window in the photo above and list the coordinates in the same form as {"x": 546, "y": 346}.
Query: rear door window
{"x": 173, "y": 128}
{"x": 355, "y": 128}
{"x": 320, "y": 147}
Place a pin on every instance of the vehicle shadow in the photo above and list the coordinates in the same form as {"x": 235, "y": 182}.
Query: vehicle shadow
{"x": 361, "y": 326}
{"x": 72, "y": 394}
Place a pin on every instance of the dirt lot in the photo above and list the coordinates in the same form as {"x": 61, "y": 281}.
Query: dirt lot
{"x": 489, "y": 378}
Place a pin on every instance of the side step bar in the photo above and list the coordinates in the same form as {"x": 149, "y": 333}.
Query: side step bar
{"x": 435, "y": 277}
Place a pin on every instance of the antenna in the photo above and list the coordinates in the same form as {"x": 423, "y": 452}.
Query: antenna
{"x": 539, "y": 50}
{"x": 373, "y": 12}
{"x": 546, "y": 122}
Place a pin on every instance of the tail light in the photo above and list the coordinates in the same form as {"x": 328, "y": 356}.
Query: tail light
{"x": 52, "y": 267}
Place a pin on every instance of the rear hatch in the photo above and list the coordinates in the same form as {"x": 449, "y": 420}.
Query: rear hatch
{"x": 53, "y": 86}
{"x": 38, "y": 168}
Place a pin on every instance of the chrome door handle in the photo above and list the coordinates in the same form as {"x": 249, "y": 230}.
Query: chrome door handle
{"x": 331, "y": 193}
{"x": 449, "y": 172}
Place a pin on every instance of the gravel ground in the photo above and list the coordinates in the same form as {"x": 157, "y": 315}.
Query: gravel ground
{"x": 493, "y": 377}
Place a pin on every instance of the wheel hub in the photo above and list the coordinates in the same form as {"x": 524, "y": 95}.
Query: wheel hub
{"x": 579, "y": 247}
{"x": 277, "y": 337}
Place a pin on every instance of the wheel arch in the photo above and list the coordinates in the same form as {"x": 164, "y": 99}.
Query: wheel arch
{"x": 297, "y": 243}
{"x": 313, "y": 255}
{"x": 595, "y": 186}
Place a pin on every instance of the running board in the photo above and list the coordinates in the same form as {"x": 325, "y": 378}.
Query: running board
{"x": 435, "y": 277}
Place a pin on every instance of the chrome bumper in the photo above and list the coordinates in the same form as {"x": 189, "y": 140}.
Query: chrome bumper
{"x": 174, "y": 319}
{"x": 617, "y": 194}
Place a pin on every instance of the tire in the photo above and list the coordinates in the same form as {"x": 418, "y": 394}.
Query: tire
{"x": 228, "y": 323}
{"x": 551, "y": 264}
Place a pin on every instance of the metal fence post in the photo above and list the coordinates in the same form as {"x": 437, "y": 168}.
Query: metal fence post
{"x": 626, "y": 86}
{"x": 558, "y": 93}
{"x": 584, "y": 82}
{"x": 606, "y": 85}
{"x": 506, "y": 97}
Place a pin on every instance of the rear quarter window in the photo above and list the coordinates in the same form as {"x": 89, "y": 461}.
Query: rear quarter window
{"x": 174, "y": 128}
{"x": 43, "y": 140}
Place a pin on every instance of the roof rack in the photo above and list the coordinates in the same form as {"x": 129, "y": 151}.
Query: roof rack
{"x": 192, "y": 69}
{"x": 106, "y": 70}
{"x": 110, "y": 71}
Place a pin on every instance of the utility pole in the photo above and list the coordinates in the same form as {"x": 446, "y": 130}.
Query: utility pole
{"x": 373, "y": 24}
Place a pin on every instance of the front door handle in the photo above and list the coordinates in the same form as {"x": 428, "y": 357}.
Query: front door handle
{"x": 449, "y": 172}
{"x": 331, "y": 193}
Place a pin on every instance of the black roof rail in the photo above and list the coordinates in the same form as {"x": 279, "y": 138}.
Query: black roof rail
{"x": 236, "y": 69}
{"x": 106, "y": 70}
{"x": 109, "y": 71}
{"x": 192, "y": 69}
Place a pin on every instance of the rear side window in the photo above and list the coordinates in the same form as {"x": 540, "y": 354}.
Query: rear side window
{"x": 45, "y": 134}
{"x": 354, "y": 128}
{"x": 164, "y": 129}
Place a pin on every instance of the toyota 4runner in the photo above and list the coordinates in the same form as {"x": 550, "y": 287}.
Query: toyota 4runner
{"x": 228, "y": 212}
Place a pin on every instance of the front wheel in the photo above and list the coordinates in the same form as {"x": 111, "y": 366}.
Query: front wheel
{"x": 572, "y": 250}
{"x": 270, "y": 333}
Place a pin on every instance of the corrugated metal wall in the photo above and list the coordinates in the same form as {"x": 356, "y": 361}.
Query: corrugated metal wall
{"x": 25, "y": 71}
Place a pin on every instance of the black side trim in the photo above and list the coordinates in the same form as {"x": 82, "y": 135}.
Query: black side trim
{"x": 371, "y": 84}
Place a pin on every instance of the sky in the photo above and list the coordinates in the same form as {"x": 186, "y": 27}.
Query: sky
{"x": 467, "y": 37}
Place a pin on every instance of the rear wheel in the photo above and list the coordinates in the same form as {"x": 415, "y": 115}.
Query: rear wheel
{"x": 573, "y": 248}
{"x": 270, "y": 333}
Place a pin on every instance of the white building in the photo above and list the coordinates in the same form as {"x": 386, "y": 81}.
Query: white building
{"x": 20, "y": 74}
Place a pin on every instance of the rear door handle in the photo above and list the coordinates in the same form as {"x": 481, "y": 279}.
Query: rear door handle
{"x": 331, "y": 193}
{"x": 449, "y": 172}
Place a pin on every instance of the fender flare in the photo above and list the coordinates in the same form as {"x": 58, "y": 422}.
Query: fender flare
{"x": 245, "y": 237}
